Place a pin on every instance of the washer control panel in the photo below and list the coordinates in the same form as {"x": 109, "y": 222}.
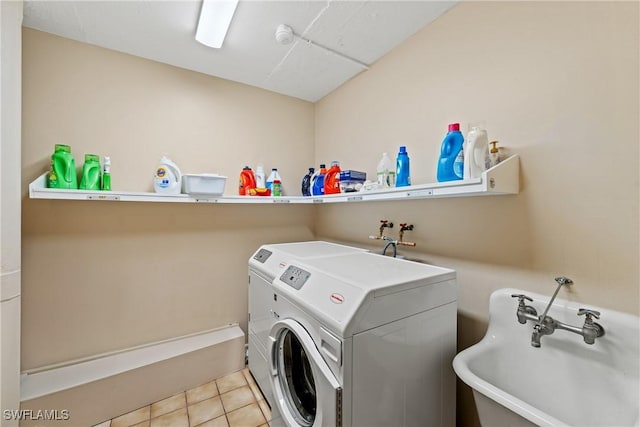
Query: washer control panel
{"x": 262, "y": 255}
{"x": 295, "y": 277}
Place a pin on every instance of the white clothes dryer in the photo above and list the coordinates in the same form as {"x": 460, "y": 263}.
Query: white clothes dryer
{"x": 269, "y": 262}
{"x": 362, "y": 340}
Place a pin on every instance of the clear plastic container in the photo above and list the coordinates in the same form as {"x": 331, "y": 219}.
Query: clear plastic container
{"x": 204, "y": 184}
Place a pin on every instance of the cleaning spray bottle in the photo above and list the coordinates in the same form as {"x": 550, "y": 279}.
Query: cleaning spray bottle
{"x": 106, "y": 174}
{"x": 167, "y": 178}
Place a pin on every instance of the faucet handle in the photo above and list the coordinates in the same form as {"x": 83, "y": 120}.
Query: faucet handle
{"x": 386, "y": 223}
{"x": 588, "y": 312}
{"x": 563, "y": 281}
{"x": 521, "y": 297}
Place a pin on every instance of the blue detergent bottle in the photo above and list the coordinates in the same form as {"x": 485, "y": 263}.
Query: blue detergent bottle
{"x": 317, "y": 187}
{"x": 451, "y": 146}
{"x": 403, "y": 177}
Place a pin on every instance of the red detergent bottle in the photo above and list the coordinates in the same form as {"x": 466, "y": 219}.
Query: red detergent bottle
{"x": 332, "y": 179}
{"x": 247, "y": 181}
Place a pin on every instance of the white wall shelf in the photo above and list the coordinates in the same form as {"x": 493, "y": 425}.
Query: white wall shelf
{"x": 502, "y": 179}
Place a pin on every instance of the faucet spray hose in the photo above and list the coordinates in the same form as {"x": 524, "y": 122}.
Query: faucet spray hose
{"x": 561, "y": 281}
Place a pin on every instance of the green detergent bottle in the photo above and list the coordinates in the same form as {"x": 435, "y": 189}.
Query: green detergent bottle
{"x": 90, "y": 173}
{"x": 62, "y": 173}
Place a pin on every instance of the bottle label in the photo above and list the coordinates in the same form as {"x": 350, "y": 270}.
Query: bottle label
{"x": 161, "y": 172}
{"x": 458, "y": 165}
{"x": 106, "y": 181}
{"x": 387, "y": 178}
{"x": 391, "y": 179}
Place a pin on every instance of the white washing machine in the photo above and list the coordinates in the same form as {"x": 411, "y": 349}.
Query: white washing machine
{"x": 362, "y": 340}
{"x": 265, "y": 266}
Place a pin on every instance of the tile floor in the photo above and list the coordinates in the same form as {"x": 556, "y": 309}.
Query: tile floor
{"x": 230, "y": 401}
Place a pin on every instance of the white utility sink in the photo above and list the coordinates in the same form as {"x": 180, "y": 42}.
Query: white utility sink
{"x": 565, "y": 382}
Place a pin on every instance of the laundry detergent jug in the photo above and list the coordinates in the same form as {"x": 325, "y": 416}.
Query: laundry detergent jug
{"x": 451, "y": 146}
{"x": 332, "y": 179}
{"x": 62, "y": 173}
{"x": 247, "y": 181}
{"x": 167, "y": 178}
{"x": 91, "y": 175}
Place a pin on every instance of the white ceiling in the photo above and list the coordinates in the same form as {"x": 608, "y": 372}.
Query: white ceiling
{"x": 164, "y": 31}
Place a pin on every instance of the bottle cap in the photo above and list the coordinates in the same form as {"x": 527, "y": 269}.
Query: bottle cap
{"x": 403, "y": 149}
{"x": 322, "y": 166}
{"x": 312, "y": 170}
{"x": 246, "y": 168}
{"x": 276, "y": 181}
{"x": 274, "y": 169}
{"x": 454, "y": 127}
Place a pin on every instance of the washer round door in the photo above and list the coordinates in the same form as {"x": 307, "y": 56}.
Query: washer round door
{"x": 305, "y": 390}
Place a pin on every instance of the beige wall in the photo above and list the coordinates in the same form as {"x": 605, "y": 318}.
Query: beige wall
{"x": 555, "y": 82}
{"x": 105, "y": 276}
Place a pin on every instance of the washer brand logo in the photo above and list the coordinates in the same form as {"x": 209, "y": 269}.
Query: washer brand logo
{"x": 337, "y": 298}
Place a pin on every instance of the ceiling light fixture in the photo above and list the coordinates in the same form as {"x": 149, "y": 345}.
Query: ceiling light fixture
{"x": 214, "y": 22}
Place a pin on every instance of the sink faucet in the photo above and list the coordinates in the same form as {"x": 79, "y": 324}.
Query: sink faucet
{"x": 546, "y": 325}
{"x": 384, "y": 223}
{"x": 391, "y": 242}
{"x": 590, "y": 330}
{"x": 404, "y": 227}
